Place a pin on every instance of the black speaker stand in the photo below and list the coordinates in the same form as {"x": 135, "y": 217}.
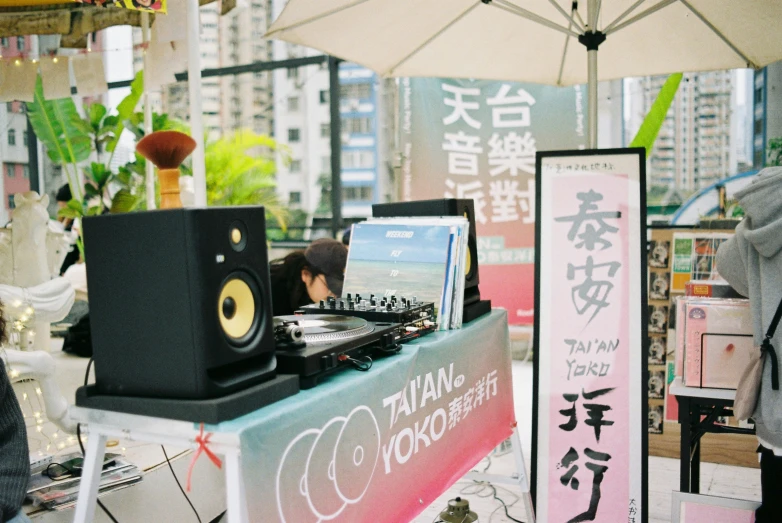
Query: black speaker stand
{"x": 211, "y": 411}
{"x": 475, "y": 310}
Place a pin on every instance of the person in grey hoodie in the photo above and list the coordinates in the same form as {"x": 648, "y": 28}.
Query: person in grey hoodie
{"x": 751, "y": 262}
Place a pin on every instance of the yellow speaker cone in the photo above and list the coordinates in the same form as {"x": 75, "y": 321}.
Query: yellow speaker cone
{"x": 236, "y": 235}
{"x": 468, "y": 264}
{"x": 236, "y": 308}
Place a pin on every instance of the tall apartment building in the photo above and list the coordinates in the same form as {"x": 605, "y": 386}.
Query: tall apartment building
{"x": 229, "y": 103}
{"x": 767, "y": 111}
{"x": 694, "y": 147}
{"x": 14, "y": 157}
{"x": 302, "y": 121}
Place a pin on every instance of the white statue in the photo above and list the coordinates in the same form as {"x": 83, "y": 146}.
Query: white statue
{"x": 30, "y": 225}
{"x": 51, "y": 302}
{"x": 42, "y": 367}
{"x": 31, "y": 253}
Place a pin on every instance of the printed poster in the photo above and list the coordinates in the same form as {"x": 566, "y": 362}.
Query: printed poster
{"x": 592, "y": 417}
{"x": 477, "y": 139}
{"x": 694, "y": 258}
{"x": 398, "y": 260}
{"x": 152, "y": 6}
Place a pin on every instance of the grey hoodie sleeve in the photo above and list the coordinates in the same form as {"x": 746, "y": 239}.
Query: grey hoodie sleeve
{"x": 731, "y": 258}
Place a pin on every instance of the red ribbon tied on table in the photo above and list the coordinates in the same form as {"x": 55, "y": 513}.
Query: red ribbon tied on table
{"x": 203, "y": 446}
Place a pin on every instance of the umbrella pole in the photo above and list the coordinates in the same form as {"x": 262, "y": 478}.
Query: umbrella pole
{"x": 150, "y": 169}
{"x": 196, "y": 112}
{"x": 592, "y": 39}
{"x": 592, "y": 98}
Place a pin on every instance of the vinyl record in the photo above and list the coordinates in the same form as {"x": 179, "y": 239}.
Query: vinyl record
{"x": 322, "y": 494}
{"x": 324, "y": 327}
{"x": 356, "y": 454}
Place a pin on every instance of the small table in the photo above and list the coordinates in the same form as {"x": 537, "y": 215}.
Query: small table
{"x": 694, "y": 403}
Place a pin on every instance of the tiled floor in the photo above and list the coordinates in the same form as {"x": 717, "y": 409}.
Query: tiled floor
{"x": 718, "y": 480}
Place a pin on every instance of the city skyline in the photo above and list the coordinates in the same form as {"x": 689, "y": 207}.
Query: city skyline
{"x": 719, "y": 124}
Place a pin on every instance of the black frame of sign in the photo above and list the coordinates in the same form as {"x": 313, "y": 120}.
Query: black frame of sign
{"x": 643, "y": 370}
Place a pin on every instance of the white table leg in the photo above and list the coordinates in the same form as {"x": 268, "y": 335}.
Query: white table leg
{"x": 521, "y": 469}
{"x": 90, "y": 478}
{"x": 234, "y": 488}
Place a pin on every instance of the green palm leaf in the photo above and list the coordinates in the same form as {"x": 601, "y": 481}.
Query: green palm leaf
{"x": 58, "y": 125}
{"x": 126, "y": 109}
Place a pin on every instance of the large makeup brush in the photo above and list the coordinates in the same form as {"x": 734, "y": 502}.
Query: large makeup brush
{"x": 167, "y": 150}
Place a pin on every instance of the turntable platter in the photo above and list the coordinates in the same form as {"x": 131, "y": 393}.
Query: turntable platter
{"x": 319, "y": 328}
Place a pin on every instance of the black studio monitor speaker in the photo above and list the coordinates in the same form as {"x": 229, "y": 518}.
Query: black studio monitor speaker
{"x": 473, "y": 305}
{"x": 180, "y": 303}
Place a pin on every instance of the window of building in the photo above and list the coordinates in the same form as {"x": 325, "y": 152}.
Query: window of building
{"x": 758, "y": 127}
{"x": 357, "y": 194}
{"x": 26, "y": 171}
{"x": 26, "y": 138}
{"x": 325, "y": 130}
{"x": 294, "y": 135}
{"x": 20, "y": 43}
{"x": 358, "y": 159}
{"x": 324, "y": 97}
{"x": 295, "y": 166}
{"x": 9, "y": 106}
{"x": 10, "y": 170}
{"x": 11, "y": 136}
{"x": 355, "y": 91}
{"x": 4, "y": 41}
{"x": 293, "y": 104}
{"x": 759, "y": 95}
{"x": 293, "y": 73}
{"x": 294, "y": 197}
{"x": 357, "y": 125}
{"x": 11, "y": 204}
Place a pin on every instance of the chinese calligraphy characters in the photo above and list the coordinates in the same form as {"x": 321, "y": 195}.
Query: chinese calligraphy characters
{"x": 595, "y": 419}
{"x": 589, "y": 228}
{"x": 504, "y": 197}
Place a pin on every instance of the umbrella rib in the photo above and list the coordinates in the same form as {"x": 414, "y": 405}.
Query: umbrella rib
{"x": 596, "y": 15}
{"x": 722, "y": 37}
{"x": 569, "y": 18}
{"x": 562, "y": 63}
{"x": 317, "y": 17}
{"x": 623, "y": 16}
{"x": 433, "y": 37}
{"x": 529, "y": 15}
{"x": 580, "y": 20}
{"x": 651, "y": 10}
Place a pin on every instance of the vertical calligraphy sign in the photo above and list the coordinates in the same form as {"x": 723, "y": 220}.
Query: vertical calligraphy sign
{"x": 589, "y": 427}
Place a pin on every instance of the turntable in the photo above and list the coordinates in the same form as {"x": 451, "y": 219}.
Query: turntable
{"x": 417, "y": 317}
{"x": 316, "y": 345}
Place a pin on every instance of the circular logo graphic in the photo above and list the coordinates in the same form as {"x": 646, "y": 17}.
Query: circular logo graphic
{"x": 322, "y": 494}
{"x": 291, "y": 489}
{"x": 355, "y": 455}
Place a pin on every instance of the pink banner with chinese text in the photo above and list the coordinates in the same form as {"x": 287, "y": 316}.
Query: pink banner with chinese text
{"x": 590, "y": 429}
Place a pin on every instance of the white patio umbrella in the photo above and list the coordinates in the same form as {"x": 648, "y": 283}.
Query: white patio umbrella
{"x": 539, "y": 41}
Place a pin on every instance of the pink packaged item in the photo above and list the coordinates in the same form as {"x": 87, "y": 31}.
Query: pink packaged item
{"x": 680, "y": 329}
{"x": 718, "y": 342}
